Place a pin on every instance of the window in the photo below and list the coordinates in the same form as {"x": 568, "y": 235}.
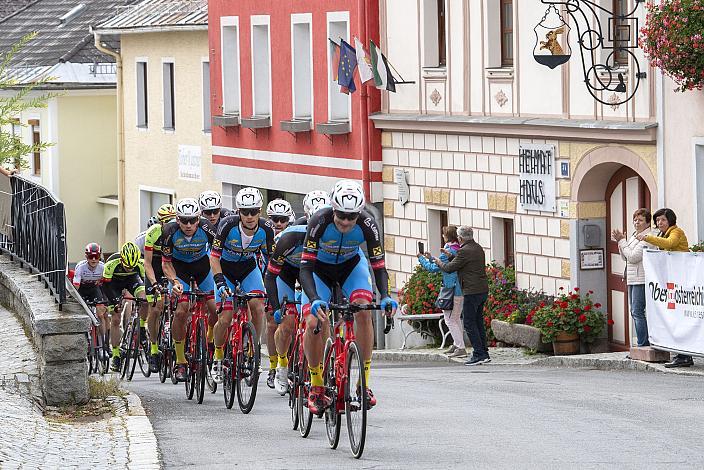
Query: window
{"x": 142, "y": 113}
{"x": 435, "y": 42}
{"x": 302, "y": 64}
{"x": 206, "y": 96}
{"x": 149, "y": 202}
{"x": 339, "y": 104}
{"x": 36, "y": 141}
{"x": 502, "y": 241}
{"x": 17, "y": 132}
{"x": 261, "y": 66}
{"x": 506, "y": 33}
{"x": 621, "y": 31}
{"x": 230, "y": 48}
{"x": 168, "y": 94}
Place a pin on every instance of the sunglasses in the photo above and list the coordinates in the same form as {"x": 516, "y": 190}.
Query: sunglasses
{"x": 92, "y": 256}
{"x": 279, "y": 219}
{"x": 188, "y": 220}
{"x": 346, "y": 215}
{"x": 211, "y": 212}
{"x": 249, "y": 212}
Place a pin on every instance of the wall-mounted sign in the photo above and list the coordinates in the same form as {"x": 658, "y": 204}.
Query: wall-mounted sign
{"x": 536, "y": 173}
{"x": 401, "y": 181}
{"x": 189, "y": 157}
{"x": 563, "y": 208}
{"x": 564, "y": 169}
{"x": 591, "y": 259}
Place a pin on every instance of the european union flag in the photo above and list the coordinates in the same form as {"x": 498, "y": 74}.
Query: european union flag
{"x": 348, "y": 62}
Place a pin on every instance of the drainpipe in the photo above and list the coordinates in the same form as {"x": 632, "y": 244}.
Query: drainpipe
{"x": 363, "y": 109}
{"x": 120, "y": 138}
{"x": 660, "y": 144}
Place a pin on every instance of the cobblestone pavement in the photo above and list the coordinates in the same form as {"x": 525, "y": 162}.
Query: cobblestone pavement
{"x": 31, "y": 440}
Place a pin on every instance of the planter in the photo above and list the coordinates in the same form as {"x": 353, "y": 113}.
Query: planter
{"x": 566, "y": 344}
{"x": 519, "y": 335}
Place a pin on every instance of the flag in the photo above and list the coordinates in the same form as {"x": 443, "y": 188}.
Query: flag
{"x": 364, "y": 63}
{"x": 383, "y": 79}
{"x": 348, "y": 62}
{"x": 335, "y": 58}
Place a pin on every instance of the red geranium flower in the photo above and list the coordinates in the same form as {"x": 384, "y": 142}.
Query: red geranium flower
{"x": 576, "y": 310}
{"x": 549, "y": 323}
{"x": 610, "y": 322}
{"x": 582, "y": 318}
{"x": 587, "y": 328}
{"x": 587, "y": 308}
{"x": 597, "y": 305}
{"x": 576, "y": 289}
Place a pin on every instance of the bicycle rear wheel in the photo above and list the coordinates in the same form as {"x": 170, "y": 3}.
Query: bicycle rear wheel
{"x": 293, "y": 386}
{"x": 92, "y": 348}
{"x": 228, "y": 379}
{"x": 356, "y": 400}
{"x": 105, "y": 351}
{"x": 134, "y": 347}
{"x": 305, "y": 416}
{"x": 124, "y": 350}
{"x": 163, "y": 345}
{"x": 248, "y": 368}
{"x": 201, "y": 360}
{"x": 142, "y": 358}
{"x": 333, "y": 420}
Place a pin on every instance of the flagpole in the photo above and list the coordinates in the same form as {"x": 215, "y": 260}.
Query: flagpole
{"x": 364, "y": 96}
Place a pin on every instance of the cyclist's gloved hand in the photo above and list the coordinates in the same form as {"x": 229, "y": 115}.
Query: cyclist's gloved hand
{"x": 278, "y": 316}
{"x": 388, "y": 301}
{"x": 223, "y": 291}
{"x": 316, "y": 306}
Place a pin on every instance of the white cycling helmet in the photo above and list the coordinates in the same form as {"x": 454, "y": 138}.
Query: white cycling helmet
{"x": 188, "y": 207}
{"x": 279, "y": 207}
{"x": 210, "y": 201}
{"x": 347, "y": 196}
{"x": 249, "y": 198}
{"x": 314, "y": 200}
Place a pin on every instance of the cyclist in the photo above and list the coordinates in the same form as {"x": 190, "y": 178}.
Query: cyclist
{"x": 154, "y": 273}
{"x": 86, "y": 277}
{"x": 233, "y": 261}
{"x": 280, "y": 213}
{"x": 211, "y": 207}
{"x": 123, "y": 271}
{"x": 139, "y": 239}
{"x": 311, "y": 203}
{"x": 331, "y": 255}
{"x": 185, "y": 244}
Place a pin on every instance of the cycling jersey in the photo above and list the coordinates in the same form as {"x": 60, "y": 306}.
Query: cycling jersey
{"x": 232, "y": 245}
{"x": 176, "y": 245}
{"x": 116, "y": 278}
{"x": 303, "y": 220}
{"x": 283, "y": 269}
{"x": 115, "y": 269}
{"x": 139, "y": 241}
{"x": 336, "y": 253}
{"x": 84, "y": 274}
{"x": 153, "y": 240}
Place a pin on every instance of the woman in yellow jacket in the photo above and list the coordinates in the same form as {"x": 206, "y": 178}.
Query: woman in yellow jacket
{"x": 670, "y": 238}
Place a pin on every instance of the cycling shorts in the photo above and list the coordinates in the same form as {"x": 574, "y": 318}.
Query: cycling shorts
{"x": 353, "y": 276}
{"x": 92, "y": 293}
{"x": 245, "y": 273}
{"x": 199, "y": 270}
{"x": 113, "y": 289}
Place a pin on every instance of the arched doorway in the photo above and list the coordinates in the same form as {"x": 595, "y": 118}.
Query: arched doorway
{"x": 625, "y": 193}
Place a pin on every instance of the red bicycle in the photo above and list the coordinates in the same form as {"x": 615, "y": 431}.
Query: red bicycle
{"x": 343, "y": 376}
{"x": 240, "y": 365}
{"x": 196, "y": 347}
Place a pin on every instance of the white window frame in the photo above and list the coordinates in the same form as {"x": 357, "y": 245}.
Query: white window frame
{"x": 232, "y": 22}
{"x": 260, "y": 20}
{"x": 152, "y": 189}
{"x": 698, "y": 166}
{"x": 164, "y": 61}
{"x": 207, "y": 113}
{"x": 301, "y": 18}
{"x": 333, "y": 17}
{"x": 137, "y": 61}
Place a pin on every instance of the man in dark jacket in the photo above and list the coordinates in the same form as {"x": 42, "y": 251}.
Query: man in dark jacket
{"x": 471, "y": 270}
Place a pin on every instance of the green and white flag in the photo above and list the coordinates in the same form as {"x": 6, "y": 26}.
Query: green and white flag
{"x": 363, "y": 62}
{"x": 383, "y": 79}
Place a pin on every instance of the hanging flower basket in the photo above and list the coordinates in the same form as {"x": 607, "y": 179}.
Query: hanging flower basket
{"x": 673, "y": 40}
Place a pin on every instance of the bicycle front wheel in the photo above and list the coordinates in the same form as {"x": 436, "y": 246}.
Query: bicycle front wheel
{"x": 305, "y": 416}
{"x": 201, "y": 361}
{"x": 190, "y": 376}
{"x": 134, "y": 348}
{"x": 333, "y": 421}
{"x": 356, "y": 400}
{"x": 293, "y": 386}
{"x": 229, "y": 373}
{"x": 248, "y": 368}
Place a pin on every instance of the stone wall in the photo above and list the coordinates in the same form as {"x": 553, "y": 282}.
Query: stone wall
{"x": 60, "y": 337}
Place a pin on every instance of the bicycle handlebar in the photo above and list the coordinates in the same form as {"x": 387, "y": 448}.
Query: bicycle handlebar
{"x": 352, "y": 308}
{"x": 240, "y": 296}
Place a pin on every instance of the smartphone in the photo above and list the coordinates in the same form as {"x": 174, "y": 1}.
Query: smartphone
{"x": 421, "y": 248}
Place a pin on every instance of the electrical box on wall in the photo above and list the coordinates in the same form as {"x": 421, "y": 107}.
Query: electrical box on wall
{"x": 591, "y": 235}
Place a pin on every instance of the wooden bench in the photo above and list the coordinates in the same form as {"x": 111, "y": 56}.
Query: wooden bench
{"x": 418, "y": 326}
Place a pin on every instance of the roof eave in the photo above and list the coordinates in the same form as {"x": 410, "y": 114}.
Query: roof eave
{"x": 151, "y": 29}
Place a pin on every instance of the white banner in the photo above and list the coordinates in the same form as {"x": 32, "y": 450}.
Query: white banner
{"x": 536, "y": 177}
{"x": 674, "y": 299}
{"x": 189, "y": 162}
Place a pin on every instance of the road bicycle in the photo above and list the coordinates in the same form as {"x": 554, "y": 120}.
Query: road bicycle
{"x": 196, "y": 348}
{"x": 240, "y": 365}
{"x": 134, "y": 345}
{"x": 343, "y": 376}
{"x": 98, "y": 344}
{"x": 167, "y": 354}
{"x": 298, "y": 374}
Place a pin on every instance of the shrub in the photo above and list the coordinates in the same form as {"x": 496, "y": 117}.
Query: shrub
{"x": 421, "y": 291}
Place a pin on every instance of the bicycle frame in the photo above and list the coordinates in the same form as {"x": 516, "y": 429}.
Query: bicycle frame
{"x": 343, "y": 328}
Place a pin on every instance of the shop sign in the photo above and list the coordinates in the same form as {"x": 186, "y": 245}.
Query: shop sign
{"x": 536, "y": 172}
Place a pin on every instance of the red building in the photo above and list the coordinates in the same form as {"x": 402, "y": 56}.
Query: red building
{"x": 280, "y": 122}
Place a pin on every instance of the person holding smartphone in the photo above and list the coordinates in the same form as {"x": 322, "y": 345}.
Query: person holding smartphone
{"x": 450, "y": 286}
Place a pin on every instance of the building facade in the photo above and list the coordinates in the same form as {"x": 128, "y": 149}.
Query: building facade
{"x": 280, "y": 121}
{"x": 490, "y": 138}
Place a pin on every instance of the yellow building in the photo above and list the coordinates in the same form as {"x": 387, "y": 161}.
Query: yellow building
{"x": 164, "y": 101}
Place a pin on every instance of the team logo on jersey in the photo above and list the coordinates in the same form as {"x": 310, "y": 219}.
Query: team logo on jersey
{"x": 217, "y": 244}
{"x": 377, "y": 251}
{"x": 311, "y": 244}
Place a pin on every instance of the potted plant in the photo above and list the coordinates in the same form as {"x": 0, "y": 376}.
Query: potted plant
{"x": 569, "y": 318}
{"x": 420, "y": 292}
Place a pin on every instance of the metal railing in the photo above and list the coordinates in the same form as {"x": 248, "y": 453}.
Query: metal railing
{"x": 35, "y": 233}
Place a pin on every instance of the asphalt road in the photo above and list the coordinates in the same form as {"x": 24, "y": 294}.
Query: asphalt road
{"x": 451, "y": 416}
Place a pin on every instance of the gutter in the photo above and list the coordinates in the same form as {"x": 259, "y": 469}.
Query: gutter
{"x": 120, "y": 137}
{"x": 660, "y": 143}
{"x": 364, "y": 109}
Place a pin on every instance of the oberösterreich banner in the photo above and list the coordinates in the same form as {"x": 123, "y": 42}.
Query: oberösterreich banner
{"x": 674, "y": 299}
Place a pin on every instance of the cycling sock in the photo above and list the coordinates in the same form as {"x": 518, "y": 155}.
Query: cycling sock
{"x": 219, "y": 353}
{"x": 273, "y": 360}
{"x": 155, "y": 348}
{"x": 180, "y": 355}
{"x": 142, "y": 323}
{"x": 209, "y": 334}
{"x": 316, "y": 375}
{"x": 367, "y": 370}
{"x": 116, "y": 351}
{"x": 283, "y": 360}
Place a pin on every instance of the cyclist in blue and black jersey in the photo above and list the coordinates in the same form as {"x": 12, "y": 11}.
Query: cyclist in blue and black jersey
{"x": 331, "y": 255}
{"x": 311, "y": 203}
{"x": 185, "y": 245}
{"x": 234, "y": 264}
{"x": 211, "y": 207}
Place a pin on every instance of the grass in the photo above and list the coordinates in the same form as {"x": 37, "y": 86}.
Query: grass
{"x": 101, "y": 388}
{"x": 97, "y": 408}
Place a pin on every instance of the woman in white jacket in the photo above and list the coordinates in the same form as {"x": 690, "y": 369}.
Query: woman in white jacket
{"x": 631, "y": 250}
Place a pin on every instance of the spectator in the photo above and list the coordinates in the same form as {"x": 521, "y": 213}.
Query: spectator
{"x": 631, "y": 250}
{"x": 470, "y": 265}
{"x": 670, "y": 238}
{"x": 450, "y": 281}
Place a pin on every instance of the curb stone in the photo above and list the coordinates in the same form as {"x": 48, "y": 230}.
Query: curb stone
{"x": 143, "y": 450}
